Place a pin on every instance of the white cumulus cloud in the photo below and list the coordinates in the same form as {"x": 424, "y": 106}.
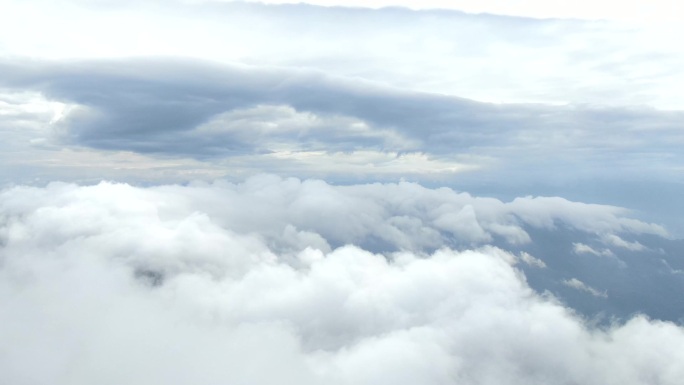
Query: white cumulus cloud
{"x": 259, "y": 283}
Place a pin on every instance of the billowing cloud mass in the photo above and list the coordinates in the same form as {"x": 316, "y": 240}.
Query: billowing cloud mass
{"x": 261, "y": 282}
{"x": 341, "y": 192}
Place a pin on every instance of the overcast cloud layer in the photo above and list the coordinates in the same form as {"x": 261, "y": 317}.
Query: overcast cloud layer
{"x": 341, "y": 192}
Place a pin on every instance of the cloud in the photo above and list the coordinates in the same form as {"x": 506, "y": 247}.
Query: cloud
{"x": 129, "y": 120}
{"x": 362, "y": 276}
{"x": 259, "y": 282}
{"x": 616, "y": 241}
{"x": 581, "y": 248}
{"x": 188, "y": 91}
{"x": 579, "y": 285}
{"x": 214, "y": 112}
{"x": 483, "y": 57}
{"x": 657, "y": 11}
{"x": 278, "y": 218}
{"x": 532, "y": 261}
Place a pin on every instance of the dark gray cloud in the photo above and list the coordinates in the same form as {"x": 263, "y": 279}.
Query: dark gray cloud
{"x": 155, "y": 106}
{"x": 158, "y": 106}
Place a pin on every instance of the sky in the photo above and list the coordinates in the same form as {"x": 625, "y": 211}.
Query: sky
{"x": 345, "y": 192}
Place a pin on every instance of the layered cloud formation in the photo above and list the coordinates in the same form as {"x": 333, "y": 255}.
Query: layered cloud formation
{"x": 286, "y": 193}
{"x": 202, "y": 110}
{"x": 259, "y": 282}
{"x": 499, "y": 105}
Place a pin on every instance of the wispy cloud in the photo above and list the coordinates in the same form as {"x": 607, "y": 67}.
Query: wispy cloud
{"x": 579, "y": 285}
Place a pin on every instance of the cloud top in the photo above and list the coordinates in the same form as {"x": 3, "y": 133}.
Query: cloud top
{"x": 213, "y": 283}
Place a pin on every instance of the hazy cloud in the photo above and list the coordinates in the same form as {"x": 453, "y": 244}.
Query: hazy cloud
{"x": 485, "y": 57}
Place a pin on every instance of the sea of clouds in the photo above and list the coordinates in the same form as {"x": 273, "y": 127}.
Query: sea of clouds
{"x": 278, "y": 280}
